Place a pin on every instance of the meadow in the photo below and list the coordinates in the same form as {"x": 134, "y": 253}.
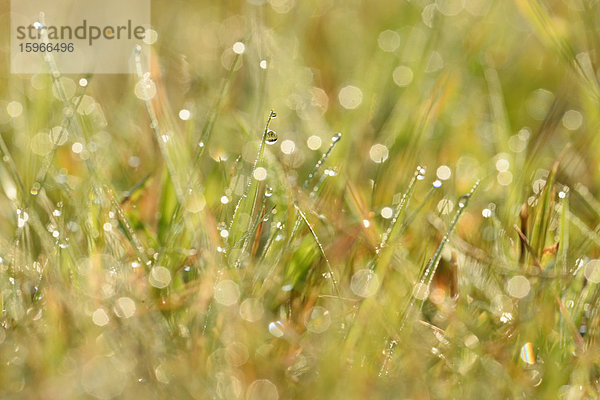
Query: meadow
{"x": 315, "y": 199}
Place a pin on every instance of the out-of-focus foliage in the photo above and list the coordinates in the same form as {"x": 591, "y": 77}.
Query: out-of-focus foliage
{"x": 190, "y": 243}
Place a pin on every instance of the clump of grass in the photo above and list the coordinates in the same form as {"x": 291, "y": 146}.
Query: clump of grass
{"x": 219, "y": 256}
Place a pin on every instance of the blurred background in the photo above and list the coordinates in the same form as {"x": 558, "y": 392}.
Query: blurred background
{"x": 471, "y": 90}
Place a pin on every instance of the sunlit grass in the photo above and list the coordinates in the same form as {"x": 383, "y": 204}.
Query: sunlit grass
{"x": 310, "y": 200}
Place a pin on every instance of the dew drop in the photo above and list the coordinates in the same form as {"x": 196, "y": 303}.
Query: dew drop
{"x": 251, "y": 309}
{"x": 22, "y": 218}
{"x": 420, "y": 291}
{"x": 319, "y": 320}
{"x": 239, "y": 48}
{"x": 226, "y": 292}
{"x": 124, "y": 307}
{"x": 463, "y": 200}
{"x": 336, "y": 137}
{"x": 288, "y": 146}
{"x": 145, "y": 89}
{"x": 313, "y": 142}
{"x": 77, "y": 148}
{"x": 445, "y": 206}
{"x": 276, "y": 329}
{"x": 364, "y": 283}
{"x": 387, "y": 212}
{"x": 443, "y": 172}
{"x": 260, "y": 174}
{"x": 100, "y": 317}
{"x": 378, "y": 153}
{"x": 185, "y": 114}
{"x": 14, "y": 109}
{"x": 592, "y": 271}
{"x": 160, "y": 277}
{"x": 35, "y": 189}
{"x": 518, "y": 286}
{"x": 268, "y": 191}
{"x": 527, "y": 354}
{"x": 271, "y": 137}
{"x": 262, "y": 389}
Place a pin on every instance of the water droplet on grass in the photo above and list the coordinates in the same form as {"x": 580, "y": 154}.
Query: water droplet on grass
{"x": 336, "y": 137}
{"x": 77, "y": 148}
{"x": 443, "y": 172}
{"x": 145, "y": 89}
{"x": 268, "y": 191}
{"x": 319, "y": 320}
{"x": 527, "y": 354}
{"x": 276, "y": 329}
{"x": 313, "y": 142}
{"x": 378, "y": 153}
{"x": 100, "y": 317}
{"x": 262, "y": 389}
{"x": 239, "y": 48}
{"x": 184, "y": 114}
{"x": 22, "y": 218}
{"x": 124, "y": 307}
{"x": 260, "y": 174}
{"x": 403, "y": 76}
{"x": 35, "y": 189}
{"x": 364, "y": 283}
{"x": 271, "y": 137}
{"x": 226, "y": 292}
{"x": 288, "y": 146}
{"x": 387, "y": 212}
{"x": 160, "y": 277}
{"x": 592, "y": 271}
{"x": 518, "y": 286}
{"x": 350, "y": 97}
{"x": 14, "y": 109}
{"x": 251, "y": 309}
{"x": 464, "y": 200}
{"x": 445, "y": 206}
